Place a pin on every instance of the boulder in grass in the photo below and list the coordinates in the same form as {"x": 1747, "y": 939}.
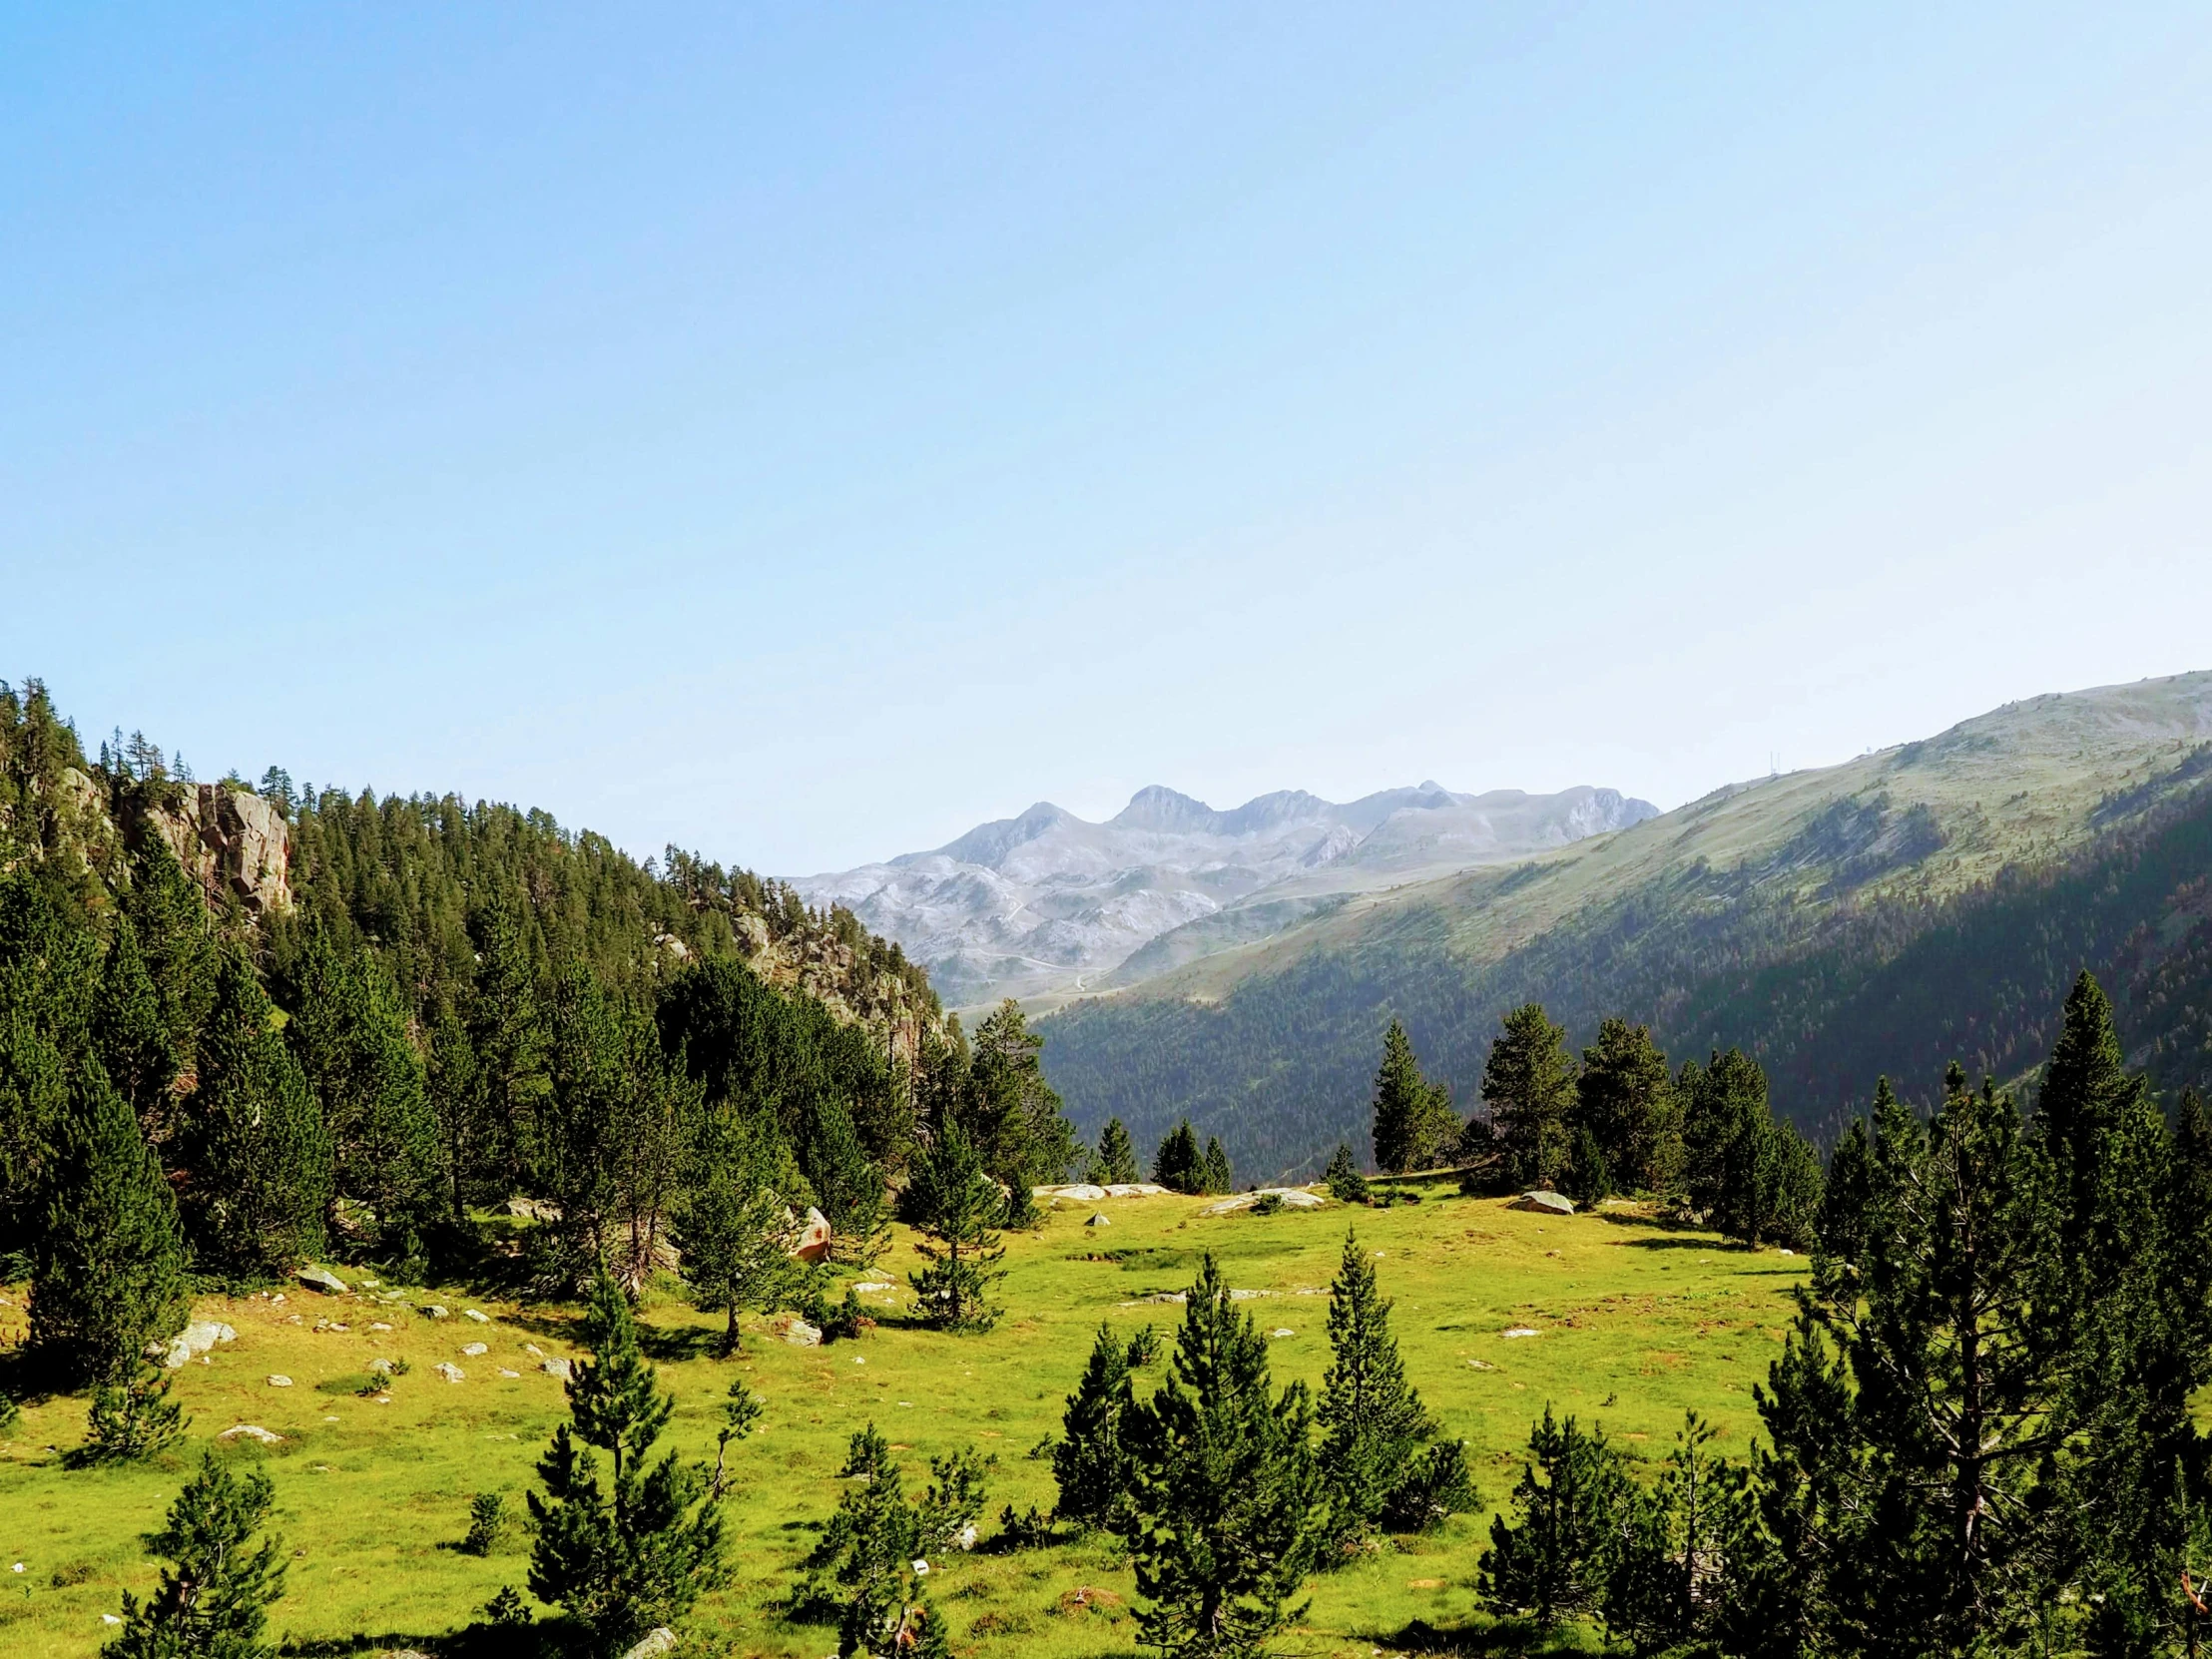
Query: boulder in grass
{"x": 556, "y": 1368}
{"x": 811, "y": 1242}
{"x": 1545, "y": 1203}
{"x": 471, "y": 1349}
{"x": 436, "y": 1311}
{"x": 474, "y": 1317}
{"x": 1081, "y": 1192}
{"x": 250, "y": 1432}
{"x": 450, "y": 1372}
{"x": 658, "y": 1641}
{"x": 190, "y": 1342}
{"x": 1134, "y": 1189}
{"x": 798, "y": 1333}
{"x": 1099, "y": 1220}
{"x": 323, "y": 1279}
{"x": 277, "y": 1380}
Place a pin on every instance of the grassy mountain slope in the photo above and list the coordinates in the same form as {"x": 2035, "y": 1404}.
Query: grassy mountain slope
{"x": 1885, "y": 914}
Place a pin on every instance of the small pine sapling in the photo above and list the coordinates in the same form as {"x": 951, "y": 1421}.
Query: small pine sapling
{"x": 487, "y": 1520}
{"x": 131, "y": 1418}
{"x": 214, "y": 1593}
{"x": 1345, "y": 1184}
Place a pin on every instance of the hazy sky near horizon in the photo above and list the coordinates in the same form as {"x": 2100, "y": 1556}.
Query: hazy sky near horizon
{"x": 800, "y": 433}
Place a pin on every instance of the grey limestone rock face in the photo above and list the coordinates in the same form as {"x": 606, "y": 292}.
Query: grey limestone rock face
{"x": 231, "y": 839}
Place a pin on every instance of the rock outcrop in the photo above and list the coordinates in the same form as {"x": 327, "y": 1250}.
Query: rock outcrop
{"x": 230, "y": 839}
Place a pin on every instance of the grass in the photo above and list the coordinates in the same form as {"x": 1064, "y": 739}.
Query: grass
{"x": 1636, "y": 1323}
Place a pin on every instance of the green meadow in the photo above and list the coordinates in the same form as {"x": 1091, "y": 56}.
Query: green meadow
{"x": 1633, "y": 1322}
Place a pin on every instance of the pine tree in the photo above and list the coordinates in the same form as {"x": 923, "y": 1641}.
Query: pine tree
{"x": 1550, "y": 1561}
{"x": 1091, "y": 1462}
{"x": 214, "y": 1596}
{"x": 510, "y": 1042}
{"x": 348, "y": 1032}
{"x": 956, "y": 1206}
{"x": 1927, "y": 1495}
{"x": 1415, "y": 1124}
{"x": 1117, "y": 1154}
{"x": 108, "y": 1261}
{"x": 1345, "y": 1184}
{"x": 735, "y": 1231}
{"x": 1179, "y": 1166}
{"x": 1225, "y": 1509}
{"x": 49, "y": 980}
{"x": 255, "y": 1147}
{"x": 847, "y": 1184}
{"x": 175, "y": 941}
{"x": 1665, "y": 1589}
{"x": 1528, "y": 1084}
{"x": 132, "y": 1416}
{"x": 1217, "y": 1177}
{"x": 1841, "y": 1226}
{"x": 2140, "y": 1349}
{"x": 128, "y": 1032}
{"x": 1624, "y": 1097}
{"x": 1009, "y": 1110}
{"x": 1378, "y": 1467}
{"x": 868, "y": 1549}
{"x": 638, "y": 1553}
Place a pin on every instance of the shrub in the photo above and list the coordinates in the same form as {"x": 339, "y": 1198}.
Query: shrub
{"x": 487, "y": 1520}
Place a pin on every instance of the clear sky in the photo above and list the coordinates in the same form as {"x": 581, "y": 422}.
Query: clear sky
{"x": 801, "y": 432}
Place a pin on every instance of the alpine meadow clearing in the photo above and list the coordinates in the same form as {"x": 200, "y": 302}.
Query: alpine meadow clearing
{"x": 1633, "y": 1322}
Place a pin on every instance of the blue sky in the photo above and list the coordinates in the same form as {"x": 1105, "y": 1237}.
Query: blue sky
{"x": 801, "y": 432}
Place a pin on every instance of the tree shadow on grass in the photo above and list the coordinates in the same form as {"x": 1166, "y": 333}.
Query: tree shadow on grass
{"x": 1499, "y": 1637}
{"x": 1707, "y": 1242}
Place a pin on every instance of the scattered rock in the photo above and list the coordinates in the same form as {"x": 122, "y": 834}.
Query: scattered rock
{"x": 1290, "y": 1198}
{"x": 1134, "y": 1189}
{"x": 450, "y": 1372}
{"x": 1789, "y": 1253}
{"x": 800, "y": 1333}
{"x": 1098, "y": 1221}
{"x": 966, "y": 1537}
{"x": 504, "y": 1372}
{"x": 533, "y": 1209}
{"x": 323, "y": 1278}
{"x": 382, "y": 1368}
{"x": 1545, "y": 1203}
{"x": 250, "y": 1432}
{"x": 533, "y": 1351}
{"x": 277, "y": 1380}
{"x": 556, "y": 1368}
{"x": 868, "y": 1286}
{"x": 190, "y": 1342}
{"x": 1481, "y": 1365}
{"x": 475, "y": 1316}
{"x": 471, "y": 1349}
{"x": 1517, "y": 1331}
{"x": 1082, "y": 1192}
{"x": 436, "y": 1311}
{"x": 1248, "y": 1296}
{"x": 1282, "y": 1330}
{"x": 656, "y": 1642}
{"x": 379, "y": 1325}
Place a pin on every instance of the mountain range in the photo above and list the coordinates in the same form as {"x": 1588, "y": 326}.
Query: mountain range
{"x": 1923, "y": 904}
{"x": 1048, "y": 905}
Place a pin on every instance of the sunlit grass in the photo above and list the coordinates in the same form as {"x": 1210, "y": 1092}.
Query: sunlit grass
{"x": 1635, "y": 1323}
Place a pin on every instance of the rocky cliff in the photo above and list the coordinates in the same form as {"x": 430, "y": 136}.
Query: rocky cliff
{"x": 233, "y": 842}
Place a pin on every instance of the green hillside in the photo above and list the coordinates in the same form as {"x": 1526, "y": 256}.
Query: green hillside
{"x": 1913, "y": 906}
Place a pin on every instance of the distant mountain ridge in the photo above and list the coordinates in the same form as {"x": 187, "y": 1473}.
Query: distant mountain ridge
{"x": 1913, "y": 906}
{"x": 1046, "y": 905}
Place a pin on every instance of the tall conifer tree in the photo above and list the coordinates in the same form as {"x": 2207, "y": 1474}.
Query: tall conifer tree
{"x": 1179, "y": 1165}
{"x": 1378, "y": 1466}
{"x": 1091, "y": 1462}
{"x": 1225, "y": 1509}
{"x": 1117, "y": 1153}
{"x": 1528, "y": 1084}
{"x": 956, "y": 1206}
{"x": 107, "y": 1264}
{"x": 254, "y": 1145}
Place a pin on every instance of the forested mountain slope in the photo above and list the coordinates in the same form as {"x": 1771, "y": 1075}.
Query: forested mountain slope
{"x": 1915, "y": 904}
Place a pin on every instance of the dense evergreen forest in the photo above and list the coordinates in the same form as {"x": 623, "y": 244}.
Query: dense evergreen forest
{"x": 384, "y": 1017}
{"x": 1901, "y": 985}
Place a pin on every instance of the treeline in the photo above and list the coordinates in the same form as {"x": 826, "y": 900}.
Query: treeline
{"x": 1822, "y": 995}
{"x": 1979, "y": 1436}
{"x": 1703, "y": 1139}
{"x": 467, "y": 1005}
